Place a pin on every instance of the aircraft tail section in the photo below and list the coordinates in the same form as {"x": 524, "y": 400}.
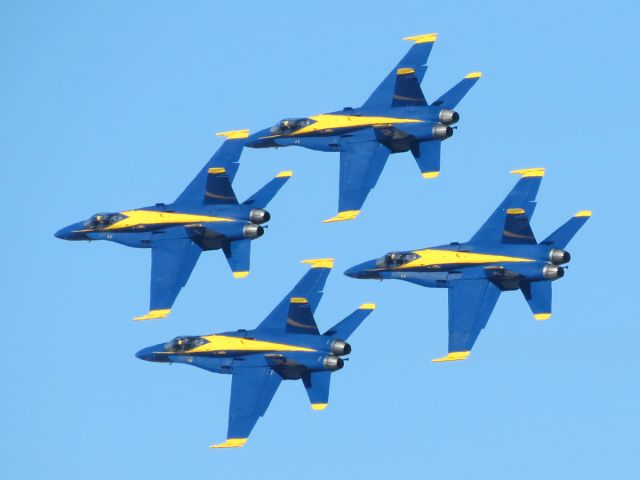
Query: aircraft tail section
{"x": 427, "y": 155}
{"x": 238, "y": 255}
{"x": 538, "y": 296}
{"x": 262, "y": 197}
{"x": 346, "y": 327}
{"x": 452, "y": 97}
{"x": 317, "y": 386}
{"x": 563, "y": 235}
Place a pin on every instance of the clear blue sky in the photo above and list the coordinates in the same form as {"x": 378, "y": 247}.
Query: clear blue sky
{"x": 114, "y": 105}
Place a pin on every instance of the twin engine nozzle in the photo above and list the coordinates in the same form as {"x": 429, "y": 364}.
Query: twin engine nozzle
{"x": 558, "y": 256}
{"x": 257, "y": 216}
{"x": 332, "y": 363}
{"x": 448, "y": 117}
{"x": 552, "y": 272}
{"x": 252, "y": 231}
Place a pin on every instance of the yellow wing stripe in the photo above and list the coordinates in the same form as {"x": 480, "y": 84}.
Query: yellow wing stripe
{"x": 583, "y": 213}
{"x": 154, "y": 314}
{"x": 240, "y": 274}
{"x": 231, "y": 443}
{"x": 542, "y": 316}
{"x": 286, "y": 173}
{"x": 343, "y": 216}
{"x": 473, "y": 75}
{"x": 367, "y": 306}
{"x": 429, "y": 175}
{"x": 319, "y": 406}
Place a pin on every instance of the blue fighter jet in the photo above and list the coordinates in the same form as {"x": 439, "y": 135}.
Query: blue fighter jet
{"x": 395, "y": 118}
{"x": 503, "y": 255}
{"x": 206, "y": 216}
{"x": 287, "y": 345}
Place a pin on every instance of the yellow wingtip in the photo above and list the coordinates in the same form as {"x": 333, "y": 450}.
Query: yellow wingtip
{"x": 217, "y": 170}
{"x": 240, "y": 274}
{"x": 583, "y": 213}
{"x": 425, "y": 38}
{"x": 285, "y": 173}
{"x": 473, "y": 75}
{"x": 298, "y": 300}
{"x": 154, "y": 315}
{"x": 231, "y": 443}
{"x": 367, "y": 306}
{"x": 429, "y": 175}
{"x": 452, "y": 357}
{"x": 342, "y": 216}
{"x": 530, "y": 172}
{"x": 234, "y": 134}
{"x": 319, "y": 406}
{"x": 320, "y": 262}
{"x": 542, "y": 316}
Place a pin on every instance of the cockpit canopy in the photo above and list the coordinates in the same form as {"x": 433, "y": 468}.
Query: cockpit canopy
{"x": 183, "y": 344}
{"x": 103, "y": 220}
{"x": 290, "y": 125}
{"x": 396, "y": 259}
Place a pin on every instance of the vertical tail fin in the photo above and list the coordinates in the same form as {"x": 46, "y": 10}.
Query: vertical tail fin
{"x": 538, "y": 296}
{"x": 262, "y": 197}
{"x": 452, "y": 97}
{"x": 238, "y": 254}
{"x": 346, "y": 327}
{"x": 563, "y": 235}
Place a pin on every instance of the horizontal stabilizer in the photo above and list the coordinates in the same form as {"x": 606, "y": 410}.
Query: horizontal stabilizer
{"x": 538, "y": 296}
{"x": 451, "y": 98}
{"x": 427, "y": 155}
{"x": 317, "y": 386}
{"x": 346, "y": 327}
{"x": 262, "y": 197}
{"x": 238, "y": 254}
{"x": 563, "y": 235}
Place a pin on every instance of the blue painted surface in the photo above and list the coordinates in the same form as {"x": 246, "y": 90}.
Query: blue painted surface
{"x": 115, "y": 105}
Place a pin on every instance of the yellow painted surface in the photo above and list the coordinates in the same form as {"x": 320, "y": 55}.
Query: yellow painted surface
{"x": 583, "y": 213}
{"x": 405, "y": 71}
{"x": 216, "y": 170}
{"x": 343, "y": 216}
{"x": 429, "y": 175}
{"x": 473, "y": 75}
{"x": 542, "y": 316}
{"x": 529, "y": 172}
{"x": 299, "y": 300}
{"x": 234, "y": 134}
{"x": 452, "y": 357}
{"x": 134, "y": 218}
{"x": 515, "y": 211}
{"x": 319, "y": 406}
{"x": 154, "y": 314}
{"x": 231, "y": 443}
{"x": 240, "y": 274}
{"x": 330, "y": 122}
{"x": 319, "y": 262}
{"x": 286, "y": 173}
{"x": 425, "y": 38}
{"x": 432, "y": 257}
{"x": 222, "y": 343}
{"x": 367, "y": 306}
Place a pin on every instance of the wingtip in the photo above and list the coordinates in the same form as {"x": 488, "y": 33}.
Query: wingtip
{"x": 319, "y": 406}
{"x": 583, "y": 213}
{"x": 240, "y": 274}
{"x": 234, "y": 134}
{"x": 153, "y": 315}
{"x": 320, "y": 262}
{"x": 429, "y": 175}
{"x": 343, "y": 216}
{"x": 542, "y": 316}
{"x": 285, "y": 174}
{"x": 367, "y": 306}
{"x": 424, "y": 38}
{"x": 452, "y": 357}
{"x": 231, "y": 443}
{"x": 530, "y": 172}
{"x": 473, "y": 75}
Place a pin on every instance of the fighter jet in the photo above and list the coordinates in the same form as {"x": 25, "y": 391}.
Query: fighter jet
{"x": 395, "y": 118}
{"x": 206, "y": 216}
{"x": 287, "y": 345}
{"x": 503, "y": 255}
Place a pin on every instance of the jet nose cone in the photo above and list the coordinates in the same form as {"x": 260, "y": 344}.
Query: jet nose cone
{"x": 71, "y": 233}
{"x": 362, "y": 270}
{"x": 147, "y": 354}
{"x": 61, "y": 234}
